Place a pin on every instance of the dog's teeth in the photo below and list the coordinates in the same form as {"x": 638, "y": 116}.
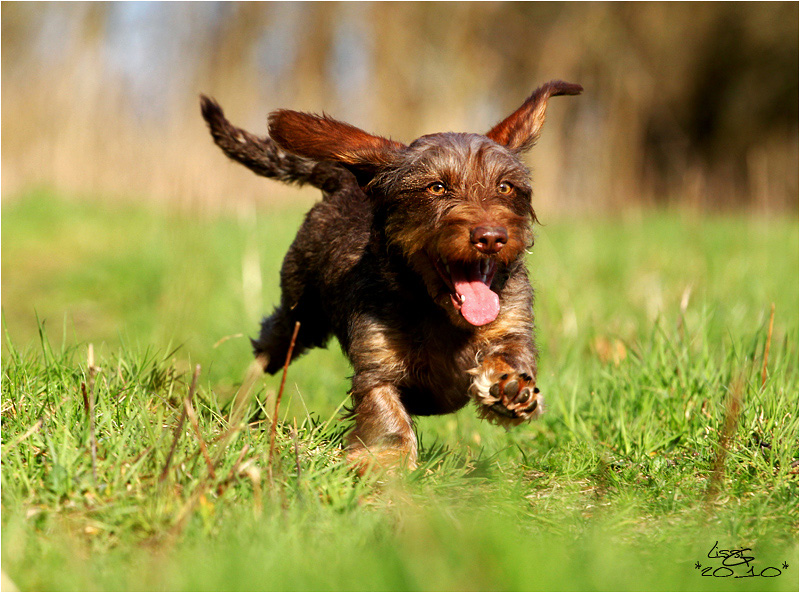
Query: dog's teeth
{"x": 462, "y": 298}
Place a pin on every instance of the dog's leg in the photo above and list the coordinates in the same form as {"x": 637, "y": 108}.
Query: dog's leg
{"x": 504, "y": 382}
{"x": 384, "y": 434}
{"x": 273, "y": 341}
{"x": 300, "y": 301}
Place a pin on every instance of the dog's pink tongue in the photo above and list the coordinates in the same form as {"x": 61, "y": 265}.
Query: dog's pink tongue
{"x": 481, "y": 304}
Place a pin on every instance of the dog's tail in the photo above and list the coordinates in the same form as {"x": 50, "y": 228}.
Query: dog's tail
{"x": 264, "y": 157}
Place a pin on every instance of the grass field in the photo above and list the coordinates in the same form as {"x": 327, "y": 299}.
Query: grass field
{"x": 663, "y": 436}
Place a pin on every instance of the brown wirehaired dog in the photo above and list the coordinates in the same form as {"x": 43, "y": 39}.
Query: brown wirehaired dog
{"x": 413, "y": 260}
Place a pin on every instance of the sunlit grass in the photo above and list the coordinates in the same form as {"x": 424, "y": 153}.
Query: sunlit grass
{"x": 612, "y": 489}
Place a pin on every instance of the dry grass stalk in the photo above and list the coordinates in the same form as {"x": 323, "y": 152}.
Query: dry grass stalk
{"x": 224, "y": 339}
{"x": 239, "y": 408}
{"x": 252, "y": 472}
{"x": 222, "y": 486}
{"x": 16, "y": 441}
{"x": 187, "y": 404}
{"x": 202, "y": 487}
{"x": 179, "y": 427}
{"x": 687, "y": 293}
{"x": 35, "y": 427}
{"x": 88, "y": 402}
{"x": 6, "y": 584}
{"x": 188, "y": 507}
{"x": 274, "y": 427}
{"x": 766, "y": 346}
{"x": 733, "y": 408}
{"x": 176, "y": 436}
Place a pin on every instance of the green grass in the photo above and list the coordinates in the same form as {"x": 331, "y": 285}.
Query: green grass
{"x": 613, "y": 489}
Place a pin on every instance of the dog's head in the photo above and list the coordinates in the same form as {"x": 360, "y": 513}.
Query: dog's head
{"x": 458, "y": 206}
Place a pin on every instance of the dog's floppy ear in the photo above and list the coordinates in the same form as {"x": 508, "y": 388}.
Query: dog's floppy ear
{"x": 324, "y": 138}
{"x": 520, "y": 130}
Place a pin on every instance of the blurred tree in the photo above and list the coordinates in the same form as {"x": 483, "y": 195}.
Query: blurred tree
{"x": 685, "y": 102}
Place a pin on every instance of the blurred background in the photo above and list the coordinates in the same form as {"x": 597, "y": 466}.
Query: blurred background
{"x": 694, "y": 104}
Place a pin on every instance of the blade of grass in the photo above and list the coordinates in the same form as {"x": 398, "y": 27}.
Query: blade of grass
{"x": 766, "y": 346}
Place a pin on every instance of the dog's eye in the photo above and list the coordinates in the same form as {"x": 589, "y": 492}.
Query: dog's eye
{"x": 437, "y": 188}
{"x": 505, "y": 188}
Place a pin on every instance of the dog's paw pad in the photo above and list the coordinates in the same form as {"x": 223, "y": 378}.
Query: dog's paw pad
{"x": 507, "y": 398}
{"x": 522, "y": 396}
{"x": 511, "y": 388}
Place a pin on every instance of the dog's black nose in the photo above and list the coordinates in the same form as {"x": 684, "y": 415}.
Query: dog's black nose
{"x": 489, "y": 239}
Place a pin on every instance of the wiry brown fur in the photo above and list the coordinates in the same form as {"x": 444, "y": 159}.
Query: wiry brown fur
{"x": 376, "y": 263}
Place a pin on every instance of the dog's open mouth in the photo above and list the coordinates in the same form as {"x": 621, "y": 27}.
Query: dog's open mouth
{"x": 470, "y": 288}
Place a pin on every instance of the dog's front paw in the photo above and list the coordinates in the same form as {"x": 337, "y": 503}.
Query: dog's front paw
{"x": 505, "y": 395}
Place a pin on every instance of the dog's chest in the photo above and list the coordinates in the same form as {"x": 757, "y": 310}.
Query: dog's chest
{"x": 436, "y": 368}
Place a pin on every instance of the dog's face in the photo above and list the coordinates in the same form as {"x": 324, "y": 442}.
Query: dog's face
{"x": 457, "y": 206}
